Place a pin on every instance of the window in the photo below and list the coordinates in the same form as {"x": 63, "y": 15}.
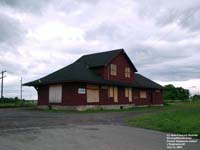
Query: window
{"x": 55, "y": 94}
{"x": 127, "y": 72}
{"x": 111, "y": 91}
{"x": 113, "y": 69}
{"x": 143, "y": 94}
{"x": 92, "y": 93}
{"x": 128, "y": 94}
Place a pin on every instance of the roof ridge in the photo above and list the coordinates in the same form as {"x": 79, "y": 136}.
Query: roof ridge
{"x": 107, "y": 51}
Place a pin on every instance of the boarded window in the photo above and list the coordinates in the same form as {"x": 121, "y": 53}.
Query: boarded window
{"x": 128, "y": 93}
{"x": 55, "y": 94}
{"x": 115, "y": 94}
{"x": 111, "y": 91}
{"x": 92, "y": 93}
{"x": 143, "y": 94}
{"x": 113, "y": 69}
{"x": 127, "y": 72}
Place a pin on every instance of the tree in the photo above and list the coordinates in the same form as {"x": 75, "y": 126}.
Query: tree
{"x": 173, "y": 93}
{"x": 196, "y": 97}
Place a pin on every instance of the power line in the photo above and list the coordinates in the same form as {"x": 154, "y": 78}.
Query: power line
{"x": 2, "y": 77}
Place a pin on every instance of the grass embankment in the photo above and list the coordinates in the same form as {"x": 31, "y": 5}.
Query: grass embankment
{"x": 181, "y": 118}
{"x": 14, "y": 102}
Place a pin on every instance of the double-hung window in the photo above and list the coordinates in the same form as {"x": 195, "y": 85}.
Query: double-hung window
{"x": 113, "y": 69}
{"x": 127, "y": 72}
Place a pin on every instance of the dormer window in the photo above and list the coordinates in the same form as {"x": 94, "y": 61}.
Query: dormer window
{"x": 127, "y": 72}
{"x": 113, "y": 69}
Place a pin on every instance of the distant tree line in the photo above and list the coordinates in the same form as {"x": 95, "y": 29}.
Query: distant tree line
{"x": 195, "y": 97}
{"x": 175, "y": 93}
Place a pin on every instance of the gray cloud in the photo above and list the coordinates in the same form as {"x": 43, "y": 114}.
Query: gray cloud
{"x": 11, "y": 31}
{"x": 104, "y": 31}
{"x": 25, "y": 5}
{"x": 161, "y": 37}
{"x": 172, "y": 72}
{"x": 12, "y": 66}
{"x": 167, "y": 63}
{"x": 188, "y": 18}
{"x": 182, "y": 12}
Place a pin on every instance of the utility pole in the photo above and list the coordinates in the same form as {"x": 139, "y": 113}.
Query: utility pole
{"x": 21, "y": 88}
{"x": 2, "y": 76}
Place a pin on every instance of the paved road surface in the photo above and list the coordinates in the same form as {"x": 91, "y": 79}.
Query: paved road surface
{"x": 22, "y": 129}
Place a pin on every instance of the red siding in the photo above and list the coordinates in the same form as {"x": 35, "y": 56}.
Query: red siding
{"x": 121, "y": 96}
{"x": 122, "y": 62}
{"x": 142, "y": 101}
{"x": 152, "y": 97}
{"x": 70, "y": 96}
{"x": 157, "y": 97}
{"x": 104, "y": 98}
{"x": 43, "y": 95}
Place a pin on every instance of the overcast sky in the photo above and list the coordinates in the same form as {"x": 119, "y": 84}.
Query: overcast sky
{"x": 161, "y": 37}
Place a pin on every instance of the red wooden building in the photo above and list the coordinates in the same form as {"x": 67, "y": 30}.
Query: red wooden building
{"x": 100, "y": 80}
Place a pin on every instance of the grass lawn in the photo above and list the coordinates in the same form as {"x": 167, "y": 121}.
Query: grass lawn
{"x": 13, "y": 105}
{"x": 179, "y": 118}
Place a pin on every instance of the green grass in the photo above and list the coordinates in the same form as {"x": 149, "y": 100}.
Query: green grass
{"x": 179, "y": 118}
{"x": 11, "y": 103}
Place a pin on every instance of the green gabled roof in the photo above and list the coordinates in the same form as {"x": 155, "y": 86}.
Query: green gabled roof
{"x": 73, "y": 72}
{"x": 98, "y": 59}
{"x": 80, "y": 71}
{"x": 141, "y": 81}
{"x": 102, "y": 58}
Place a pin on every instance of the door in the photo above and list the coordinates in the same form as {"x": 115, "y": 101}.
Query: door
{"x": 55, "y": 94}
